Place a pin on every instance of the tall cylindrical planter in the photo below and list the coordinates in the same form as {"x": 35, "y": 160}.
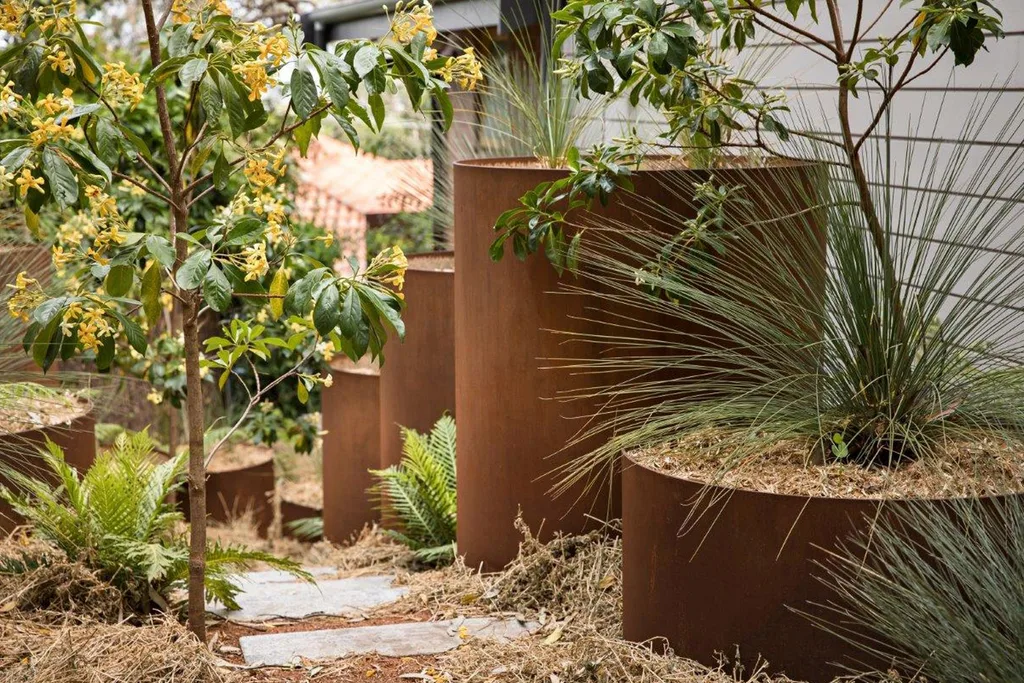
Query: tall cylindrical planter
{"x": 417, "y": 384}
{"x": 513, "y": 433}
{"x": 351, "y": 418}
{"x": 19, "y": 450}
{"x": 709, "y": 570}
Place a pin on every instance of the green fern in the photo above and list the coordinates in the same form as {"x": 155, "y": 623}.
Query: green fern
{"x": 418, "y": 497}
{"x": 116, "y": 519}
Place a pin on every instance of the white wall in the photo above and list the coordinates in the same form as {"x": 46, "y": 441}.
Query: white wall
{"x": 927, "y": 116}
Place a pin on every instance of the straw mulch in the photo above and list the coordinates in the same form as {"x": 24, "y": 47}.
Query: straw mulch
{"x": 60, "y": 623}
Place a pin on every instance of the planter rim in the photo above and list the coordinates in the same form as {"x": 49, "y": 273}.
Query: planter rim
{"x": 347, "y": 367}
{"x": 732, "y": 490}
{"x": 530, "y": 164}
{"x": 414, "y": 260}
{"x": 314, "y": 508}
{"x": 87, "y": 408}
{"x": 262, "y": 462}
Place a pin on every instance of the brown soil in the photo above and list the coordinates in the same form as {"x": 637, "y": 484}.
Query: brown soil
{"x": 31, "y": 413}
{"x": 963, "y": 470}
{"x": 365, "y": 366}
{"x": 308, "y": 493}
{"x": 239, "y": 456}
{"x": 442, "y": 263}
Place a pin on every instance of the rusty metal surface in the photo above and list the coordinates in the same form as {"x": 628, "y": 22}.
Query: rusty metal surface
{"x": 77, "y": 439}
{"x": 511, "y": 434}
{"x": 291, "y": 512}
{"x": 736, "y": 575}
{"x": 417, "y": 383}
{"x": 351, "y": 417}
{"x": 231, "y": 493}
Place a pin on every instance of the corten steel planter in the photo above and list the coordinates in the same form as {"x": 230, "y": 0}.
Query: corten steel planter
{"x": 351, "y": 417}
{"x": 292, "y": 512}
{"x": 710, "y": 569}
{"x": 19, "y": 450}
{"x": 231, "y": 493}
{"x": 512, "y": 436}
{"x": 417, "y": 384}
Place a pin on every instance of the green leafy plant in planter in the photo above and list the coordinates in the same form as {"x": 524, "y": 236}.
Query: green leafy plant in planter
{"x": 116, "y": 518}
{"x": 75, "y": 141}
{"x": 936, "y": 590}
{"x": 418, "y": 496}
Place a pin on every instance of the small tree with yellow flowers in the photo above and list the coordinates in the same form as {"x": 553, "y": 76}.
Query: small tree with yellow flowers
{"x": 69, "y": 108}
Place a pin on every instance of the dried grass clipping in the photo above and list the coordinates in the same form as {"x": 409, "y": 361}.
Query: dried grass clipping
{"x": 162, "y": 652}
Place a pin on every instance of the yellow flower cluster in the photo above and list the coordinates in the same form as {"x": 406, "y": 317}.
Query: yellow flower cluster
{"x": 184, "y": 11}
{"x": 411, "y": 20}
{"x": 27, "y": 295}
{"x": 59, "y": 17}
{"x": 254, "y": 75}
{"x": 465, "y": 70}
{"x": 12, "y": 15}
{"x": 264, "y": 171}
{"x": 255, "y": 265}
{"x": 107, "y": 223}
{"x": 50, "y": 130}
{"x": 26, "y": 181}
{"x": 10, "y": 102}
{"x": 90, "y": 320}
{"x": 53, "y": 105}
{"x": 388, "y": 268}
{"x": 58, "y": 60}
{"x": 272, "y": 209}
{"x": 121, "y": 86}
{"x": 275, "y": 50}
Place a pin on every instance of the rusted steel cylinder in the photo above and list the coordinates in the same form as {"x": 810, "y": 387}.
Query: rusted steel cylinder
{"x": 417, "y": 383}
{"x": 239, "y": 483}
{"x": 351, "y": 418}
{"x": 19, "y": 450}
{"x": 513, "y": 434}
{"x": 710, "y": 569}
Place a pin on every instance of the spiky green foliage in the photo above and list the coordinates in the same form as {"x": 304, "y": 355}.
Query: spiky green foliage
{"x": 307, "y": 528}
{"x": 118, "y": 520}
{"x": 935, "y": 588}
{"x": 726, "y": 323}
{"x": 418, "y": 496}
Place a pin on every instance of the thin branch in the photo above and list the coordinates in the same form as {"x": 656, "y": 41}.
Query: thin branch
{"x": 792, "y": 27}
{"x": 771, "y": 29}
{"x": 142, "y": 186}
{"x": 255, "y": 398}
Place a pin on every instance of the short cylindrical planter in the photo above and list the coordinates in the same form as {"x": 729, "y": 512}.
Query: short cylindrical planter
{"x": 351, "y": 418}
{"x": 239, "y": 483}
{"x": 710, "y": 570}
{"x": 513, "y": 432}
{"x": 292, "y": 511}
{"x": 19, "y": 449}
{"x": 417, "y": 384}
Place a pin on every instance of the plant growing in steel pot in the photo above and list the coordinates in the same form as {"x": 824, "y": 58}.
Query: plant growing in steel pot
{"x": 540, "y": 205}
{"x": 797, "y": 407}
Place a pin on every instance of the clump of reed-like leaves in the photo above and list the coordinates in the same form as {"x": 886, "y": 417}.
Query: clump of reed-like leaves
{"x": 728, "y": 318}
{"x": 936, "y": 589}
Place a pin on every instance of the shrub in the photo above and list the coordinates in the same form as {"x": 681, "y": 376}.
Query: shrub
{"x": 118, "y": 520}
{"x": 418, "y": 496}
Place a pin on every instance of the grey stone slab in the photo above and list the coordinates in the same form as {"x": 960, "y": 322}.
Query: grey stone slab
{"x": 278, "y": 576}
{"x": 390, "y": 640}
{"x": 299, "y": 599}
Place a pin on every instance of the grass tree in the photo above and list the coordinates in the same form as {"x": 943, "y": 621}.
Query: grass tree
{"x": 69, "y": 107}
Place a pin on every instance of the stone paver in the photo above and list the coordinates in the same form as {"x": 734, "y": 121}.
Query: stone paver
{"x": 267, "y": 596}
{"x": 391, "y": 640}
{"x": 278, "y": 576}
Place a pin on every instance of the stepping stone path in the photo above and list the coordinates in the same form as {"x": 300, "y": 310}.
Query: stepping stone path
{"x": 274, "y": 594}
{"x": 391, "y": 640}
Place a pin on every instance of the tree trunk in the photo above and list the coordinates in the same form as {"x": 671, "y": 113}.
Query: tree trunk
{"x": 196, "y": 471}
